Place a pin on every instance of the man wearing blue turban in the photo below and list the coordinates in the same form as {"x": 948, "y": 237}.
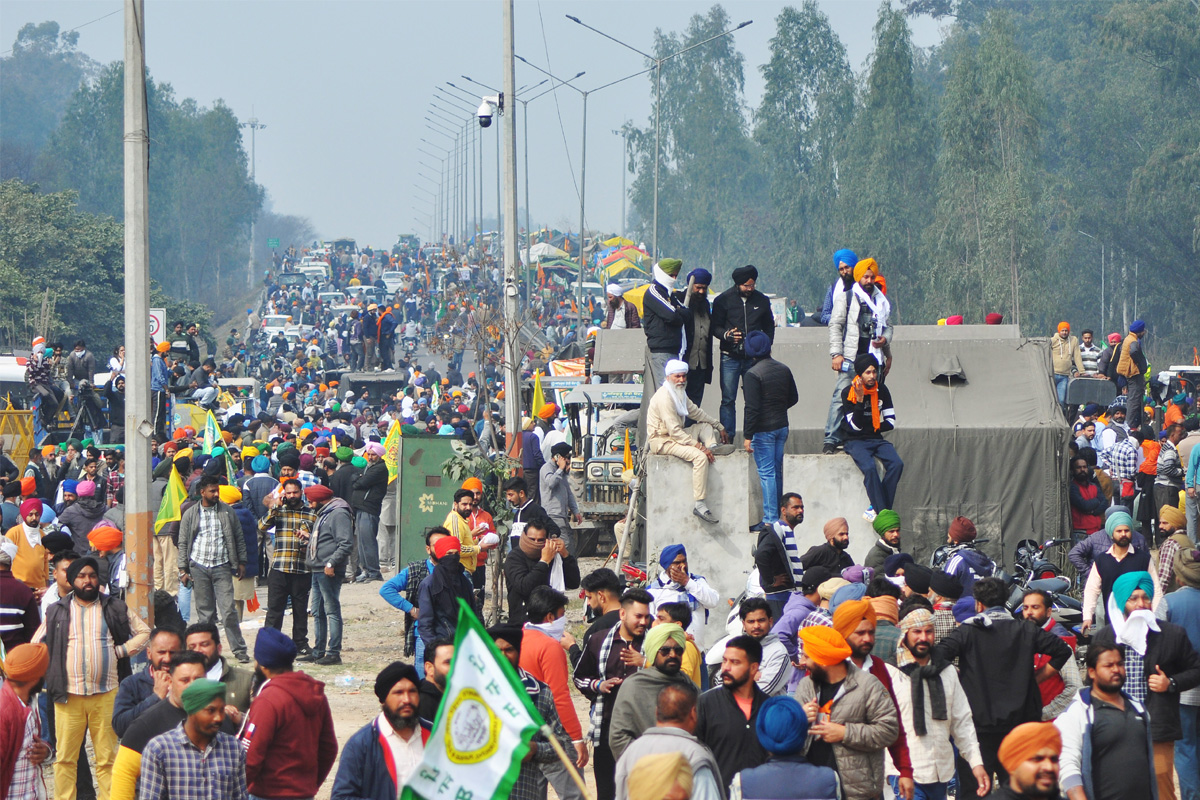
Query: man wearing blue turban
{"x": 1121, "y": 558}
{"x": 782, "y": 729}
{"x": 675, "y": 584}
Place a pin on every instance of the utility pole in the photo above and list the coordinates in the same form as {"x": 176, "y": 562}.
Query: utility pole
{"x": 139, "y": 517}
{"x": 254, "y": 126}
{"x": 624, "y": 173}
{"x": 512, "y": 377}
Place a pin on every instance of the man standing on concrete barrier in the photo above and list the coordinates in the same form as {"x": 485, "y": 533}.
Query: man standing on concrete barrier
{"x": 770, "y": 390}
{"x": 668, "y": 409}
{"x": 867, "y": 414}
{"x": 739, "y": 311}
{"x": 858, "y": 326}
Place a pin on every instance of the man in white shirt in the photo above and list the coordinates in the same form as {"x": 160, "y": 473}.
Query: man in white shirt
{"x": 365, "y": 770}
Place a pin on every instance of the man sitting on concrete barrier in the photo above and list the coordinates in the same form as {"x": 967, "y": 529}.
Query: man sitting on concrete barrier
{"x": 867, "y": 414}
{"x": 668, "y": 409}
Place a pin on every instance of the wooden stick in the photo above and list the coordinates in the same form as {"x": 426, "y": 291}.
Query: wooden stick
{"x": 568, "y": 763}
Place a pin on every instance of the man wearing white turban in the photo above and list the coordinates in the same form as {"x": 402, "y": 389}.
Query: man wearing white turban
{"x": 668, "y": 409}
{"x": 622, "y": 314}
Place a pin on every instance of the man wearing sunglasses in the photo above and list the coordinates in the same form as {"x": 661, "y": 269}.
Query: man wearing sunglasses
{"x": 634, "y": 711}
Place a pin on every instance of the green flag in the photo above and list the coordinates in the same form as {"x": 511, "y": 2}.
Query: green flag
{"x": 169, "y": 510}
{"x": 483, "y": 725}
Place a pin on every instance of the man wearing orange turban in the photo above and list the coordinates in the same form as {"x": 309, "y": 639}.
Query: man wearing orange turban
{"x": 855, "y": 620}
{"x": 1064, "y": 355}
{"x": 23, "y": 749}
{"x": 853, "y": 717}
{"x": 1029, "y": 753}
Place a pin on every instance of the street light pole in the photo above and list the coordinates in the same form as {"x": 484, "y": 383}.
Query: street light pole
{"x": 658, "y": 62}
{"x": 512, "y": 404}
{"x": 624, "y": 173}
{"x": 254, "y": 125}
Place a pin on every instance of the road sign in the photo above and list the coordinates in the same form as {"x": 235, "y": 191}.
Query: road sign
{"x": 158, "y": 324}
{"x": 272, "y": 243}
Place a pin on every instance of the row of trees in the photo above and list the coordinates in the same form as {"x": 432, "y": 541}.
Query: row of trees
{"x": 62, "y": 131}
{"x": 969, "y": 171}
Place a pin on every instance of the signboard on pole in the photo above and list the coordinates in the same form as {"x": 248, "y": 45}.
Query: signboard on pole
{"x": 158, "y": 324}
{"x": 273, "y": 243}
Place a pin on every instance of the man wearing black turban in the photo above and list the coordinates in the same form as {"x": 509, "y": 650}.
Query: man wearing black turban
{"x": 739, "y": 311}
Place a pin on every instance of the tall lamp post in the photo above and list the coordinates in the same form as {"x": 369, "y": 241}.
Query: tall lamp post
{"x": 255, "y": 126}
{"x": 658, "y": 62}
{"x": 582, "y": 163}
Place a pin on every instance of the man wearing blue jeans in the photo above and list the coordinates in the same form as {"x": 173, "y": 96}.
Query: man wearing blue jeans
{"x": 328, "y": 551}
{"x": 770, "y": 391}
{"x": 368, "y": 490}
{"x": 736, "y": 313}
{"x": 867, "y": 414}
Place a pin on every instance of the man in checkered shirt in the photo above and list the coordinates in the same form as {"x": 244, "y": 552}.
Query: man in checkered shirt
{"x": 289, "y": 576}
{"x": 195, "y": 761}
{"x": 212, "y": 551}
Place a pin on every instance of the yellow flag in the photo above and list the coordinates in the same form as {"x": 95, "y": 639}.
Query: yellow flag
{"x": 539, "y": 399}
{"x": 391, "y": 450}
{"x": 170, "y": 510}
{"x": 628, "y": 455}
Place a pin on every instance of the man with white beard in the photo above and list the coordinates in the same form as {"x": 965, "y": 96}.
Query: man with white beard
{"x": 668, "y": 409}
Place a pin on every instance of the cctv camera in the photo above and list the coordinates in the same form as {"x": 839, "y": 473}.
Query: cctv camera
{"x": 491, "y": 104}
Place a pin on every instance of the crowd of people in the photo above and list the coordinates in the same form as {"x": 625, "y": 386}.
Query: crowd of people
{"x": 887, "y": 678}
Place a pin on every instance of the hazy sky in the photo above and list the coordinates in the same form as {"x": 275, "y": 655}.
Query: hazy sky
{"x": 344, "y": 89}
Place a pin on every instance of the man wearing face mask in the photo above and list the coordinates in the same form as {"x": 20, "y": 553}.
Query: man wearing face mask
{"x": 544, "y": 656}
{"x": 739, "y": 311}
{"x": 440, "y": 591}
{"x": 663, "y": 318}
{"x": 634, "y": 710}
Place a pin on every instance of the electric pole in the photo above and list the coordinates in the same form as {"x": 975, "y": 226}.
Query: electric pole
{"x": 512, "y": 377}
{"x": 139, "y": 516}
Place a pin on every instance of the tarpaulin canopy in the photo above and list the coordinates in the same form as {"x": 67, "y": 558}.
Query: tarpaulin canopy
{"x": 978, "y": 425}
{"x": 544, "y": 250}
{"x": 635, "y": 296}
{"x": 629, "y": 253}
{"x": 617, "y": 267}
{"x": 617, "y": 241}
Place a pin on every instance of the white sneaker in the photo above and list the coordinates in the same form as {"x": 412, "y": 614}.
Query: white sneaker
{"x": 869, "y": 514}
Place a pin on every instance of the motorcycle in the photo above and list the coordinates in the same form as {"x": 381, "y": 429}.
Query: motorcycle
{"x": 1066, "y": 610}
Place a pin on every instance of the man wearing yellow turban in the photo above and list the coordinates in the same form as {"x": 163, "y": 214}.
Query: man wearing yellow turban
{"x": 862, "y": 307}
{"x": 851, "y": 714}
{"x": 663, "y": 776}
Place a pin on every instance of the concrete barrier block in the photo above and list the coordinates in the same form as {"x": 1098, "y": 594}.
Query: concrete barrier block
{"x": 831, "y": 486}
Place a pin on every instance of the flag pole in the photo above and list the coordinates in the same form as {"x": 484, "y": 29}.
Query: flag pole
{"x": 568, "y": 763}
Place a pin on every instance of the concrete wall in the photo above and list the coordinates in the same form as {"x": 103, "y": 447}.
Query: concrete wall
{"x": 831, "y": 486}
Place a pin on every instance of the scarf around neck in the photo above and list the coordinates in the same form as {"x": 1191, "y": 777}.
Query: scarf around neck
{"x": 880, "y": 309}
{"x": 859, "y": 392}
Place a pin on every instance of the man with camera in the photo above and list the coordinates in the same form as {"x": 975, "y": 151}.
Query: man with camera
{"x": 858, "y": 325}
{"x": 739, "y": 311}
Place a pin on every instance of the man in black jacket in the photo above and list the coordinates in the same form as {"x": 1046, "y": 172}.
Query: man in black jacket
{"x": 721, "y": 723}
{"x": 736, "y": 313}
{"x": 697, "y": 327}
{"x": 867, "y": 414}
{"x": 367, "y": 501}
{"x": 1166, "y": 665}
{"x": 770, "y": 391}
{"x": 663, "y": 317}
{"x": 995, "y": 656}
{"x": 531, "y": 564}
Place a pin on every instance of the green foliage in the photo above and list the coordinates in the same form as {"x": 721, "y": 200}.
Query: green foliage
{"x": 201, "y": 197}
{"x": 806, "y": 108}
{"x": 50, "y": 248}
{"x": 39, "y": 78}
{"x": 889, "y": 155}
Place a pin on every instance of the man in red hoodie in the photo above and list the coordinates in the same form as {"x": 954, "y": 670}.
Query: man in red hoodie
{"x": 288, "y": 736}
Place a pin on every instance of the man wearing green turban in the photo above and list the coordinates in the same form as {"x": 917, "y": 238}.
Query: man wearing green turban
{"x": 1121, "y": 558}
{"x": 887, "y": 528}
{"x": 633, "y": 712}
{"x": 196, "y": 759}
